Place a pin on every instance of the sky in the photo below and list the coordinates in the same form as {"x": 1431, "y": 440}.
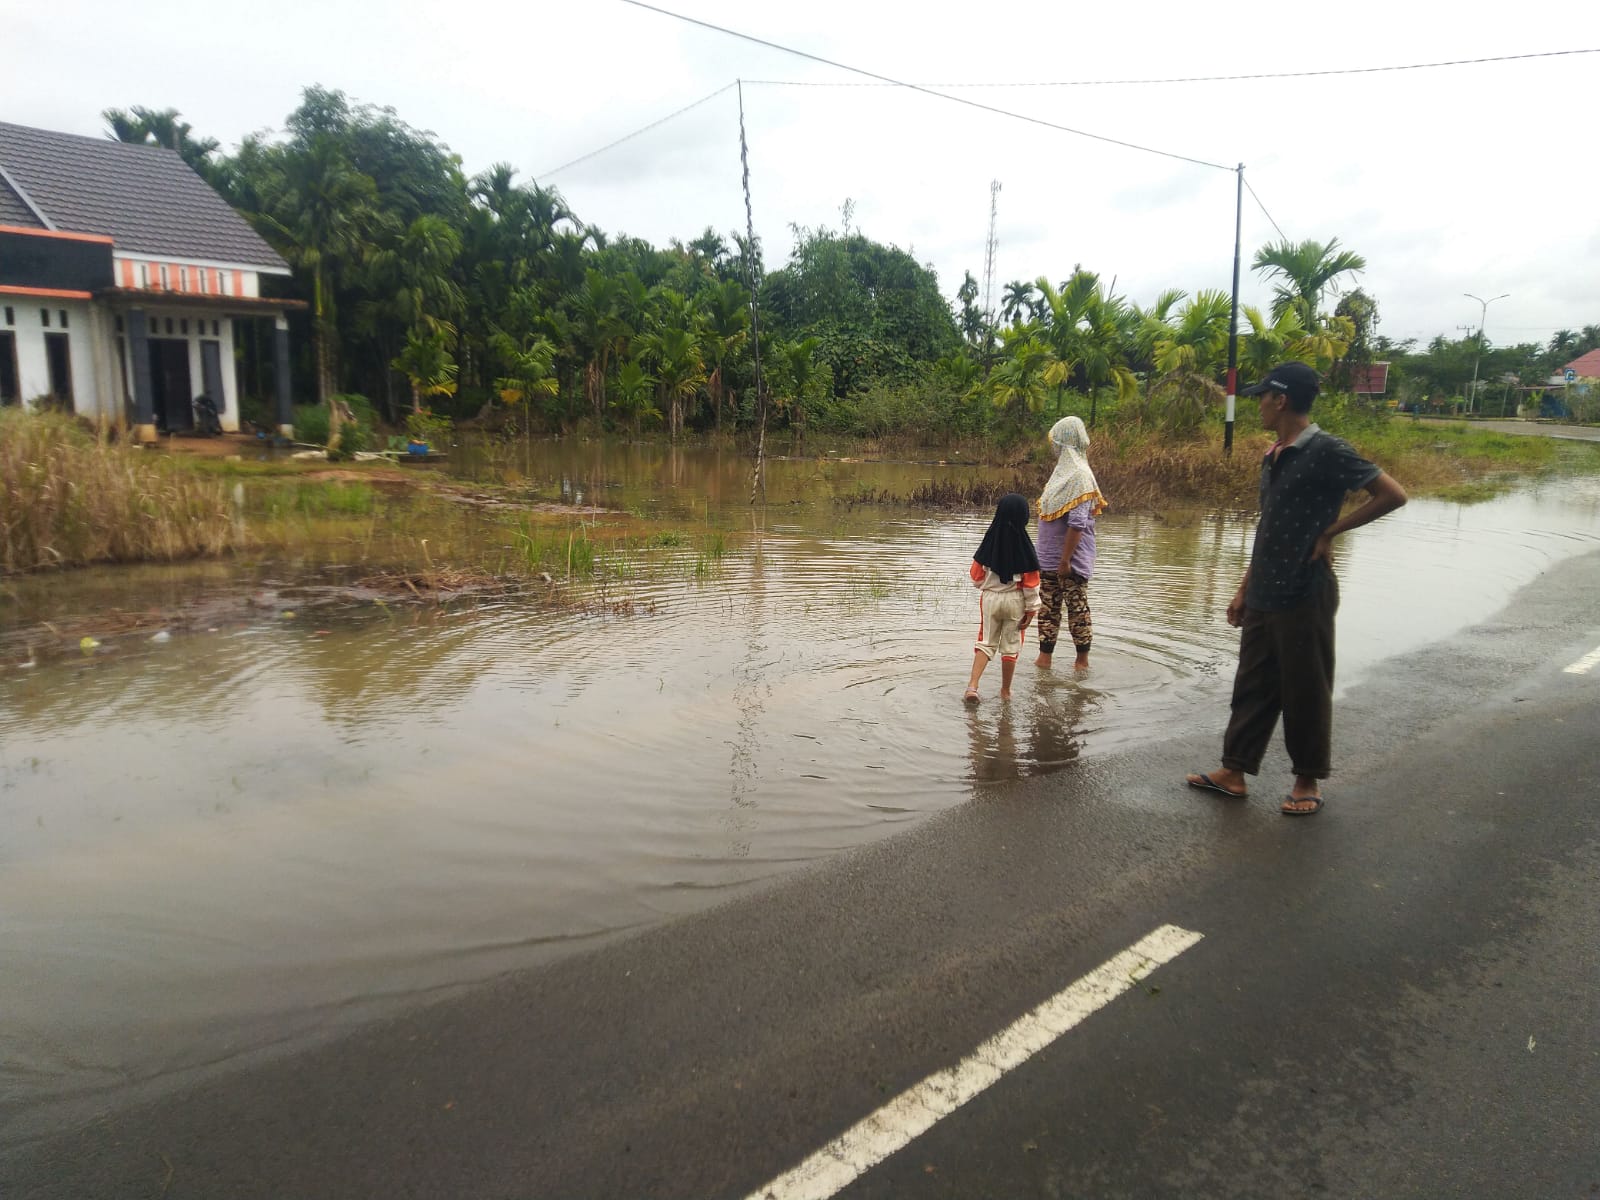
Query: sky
{"x": 1466, "y": 179}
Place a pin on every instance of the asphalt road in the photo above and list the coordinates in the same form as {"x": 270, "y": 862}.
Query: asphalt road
{"x": 1399, "y": 997}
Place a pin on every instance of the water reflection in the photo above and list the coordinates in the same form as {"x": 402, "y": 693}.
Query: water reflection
{"x": 240, "y": 838}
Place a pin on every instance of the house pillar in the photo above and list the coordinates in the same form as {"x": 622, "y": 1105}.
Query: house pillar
{"x": 280, "y": 357}
{"x": 144, "y": 411}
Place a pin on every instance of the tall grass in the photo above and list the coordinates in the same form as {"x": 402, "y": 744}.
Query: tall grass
{"x": 68, "y": 497}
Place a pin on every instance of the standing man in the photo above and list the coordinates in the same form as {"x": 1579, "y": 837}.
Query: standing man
{"x": 1286, "y": 602}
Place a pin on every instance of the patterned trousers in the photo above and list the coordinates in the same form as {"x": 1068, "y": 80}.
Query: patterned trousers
{"x": 1058, "y": 589}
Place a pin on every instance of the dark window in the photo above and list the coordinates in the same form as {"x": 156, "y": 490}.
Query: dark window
{"x": 57, "y": 352}
{"x": 216, "y": 329}
{"x": 183, "y": 326}
{"x": 9, "y": 392}
{"x": 119, "y": 324}
{"x": 44, "y": 317}
{"x": 11, "y": 315}
{"x": 169, "y": 325}
{"x": 63, "y": 316}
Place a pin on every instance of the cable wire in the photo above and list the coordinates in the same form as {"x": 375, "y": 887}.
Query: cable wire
{"x": 1199, "y": 162}
{"x": 1059, "y": 83}
{"x": 1263, "y": 207}
{"x": 642, "y": 129}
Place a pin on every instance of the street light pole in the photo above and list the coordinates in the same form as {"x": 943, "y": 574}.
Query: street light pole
{"x": 1483, "y": 314}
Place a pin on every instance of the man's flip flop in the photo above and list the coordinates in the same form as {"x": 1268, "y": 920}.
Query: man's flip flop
{"x": 1300, "y": 812}
{"x": 1207, "y": 784}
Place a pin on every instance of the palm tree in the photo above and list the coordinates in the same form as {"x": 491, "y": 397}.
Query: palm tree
{"x": 1305, "y": 270}
{"x": 1017, "y": 383}
{"x": 727, "y": 321}
{"x": 530, "y": 374}
{"x": 160, "y": 127}
{"x": 1016, "y": 299}
{"x": 321, "y": 212}
{"x": 427, "y": 364}
{"x": 634, "y": 388}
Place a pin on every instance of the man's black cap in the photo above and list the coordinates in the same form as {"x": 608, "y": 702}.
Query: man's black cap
{"x": 1293, "y": 379}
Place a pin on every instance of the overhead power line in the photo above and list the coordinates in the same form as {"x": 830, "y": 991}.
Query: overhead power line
{"x": 1066, "y": 83}
{"x": 642, "y": 129}
{"x": 1263, "y": 207}
{"x": 989, "y": 108}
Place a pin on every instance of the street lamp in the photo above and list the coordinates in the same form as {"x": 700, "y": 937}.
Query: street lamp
{"x": 1472, "y": 398}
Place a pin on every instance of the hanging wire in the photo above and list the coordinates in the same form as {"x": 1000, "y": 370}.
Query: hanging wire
{"x": 1065, "y": 83}
{"x": 989, "y": 108}
{"x": 642, "y": 129}
{"x": 1263, "y": 208}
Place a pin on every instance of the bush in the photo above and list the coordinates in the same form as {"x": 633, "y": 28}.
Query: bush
{"x": 311, "y": 424}
{"x": 257, "y": 412}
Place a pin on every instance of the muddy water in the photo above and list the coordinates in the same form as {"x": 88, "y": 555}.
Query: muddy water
{"x": 233, "y": 842}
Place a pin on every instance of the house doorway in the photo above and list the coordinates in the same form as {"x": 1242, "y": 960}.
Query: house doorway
{"x": 171, "y": 393}
{"x": 10, "y": 389}
{"x": 58, "y": 358}
{"x": 211, "y": 374}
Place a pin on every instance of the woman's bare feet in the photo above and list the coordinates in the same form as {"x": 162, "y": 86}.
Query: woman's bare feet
{"x": 1042, "y": 661}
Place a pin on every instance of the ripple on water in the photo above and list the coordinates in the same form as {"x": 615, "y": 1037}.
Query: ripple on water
{"x": 247, "y": 831}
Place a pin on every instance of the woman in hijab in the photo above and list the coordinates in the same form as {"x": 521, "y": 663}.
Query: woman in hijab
{"x": 1067, "y": 508}
{"x": 1005, "y": 570}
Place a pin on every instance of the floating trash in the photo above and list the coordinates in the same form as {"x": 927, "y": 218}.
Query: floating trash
{"x": 161, "y": 638}
{"x": 287, "y": 615}
{"x": 87, "y": 643}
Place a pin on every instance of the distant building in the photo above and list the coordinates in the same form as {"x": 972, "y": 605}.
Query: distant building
{"x": 122, "y": 273}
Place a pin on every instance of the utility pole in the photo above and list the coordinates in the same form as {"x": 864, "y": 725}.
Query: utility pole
{"x": 988, "y": 276}
{"x": 1483, "y": 314}
{"x": 1233, "y": 315}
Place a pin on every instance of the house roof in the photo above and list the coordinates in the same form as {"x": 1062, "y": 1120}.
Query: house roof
{"x": 1586, "y": 365}
{"x": 145, "y": 198}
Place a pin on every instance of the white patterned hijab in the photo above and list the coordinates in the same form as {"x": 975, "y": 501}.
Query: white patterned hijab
{"x": 1072, "y": 482}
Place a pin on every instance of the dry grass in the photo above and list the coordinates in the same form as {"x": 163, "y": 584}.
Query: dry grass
{"x": 69, "y": 497}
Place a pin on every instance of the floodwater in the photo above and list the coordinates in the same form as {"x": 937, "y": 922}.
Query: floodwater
{"x": 230, "y": 843}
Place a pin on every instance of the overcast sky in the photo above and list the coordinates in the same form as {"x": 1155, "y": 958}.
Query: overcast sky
{"x": 1480, "y": 178}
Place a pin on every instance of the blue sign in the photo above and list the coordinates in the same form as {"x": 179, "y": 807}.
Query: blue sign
{"x": 1572, "y": 375}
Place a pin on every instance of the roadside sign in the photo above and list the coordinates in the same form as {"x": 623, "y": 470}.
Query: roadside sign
{"x": 1572, "y": 376}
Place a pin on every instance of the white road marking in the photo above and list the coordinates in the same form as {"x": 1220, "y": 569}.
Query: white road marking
{"x": 1585, "y": 664}
{"x": 917, "y": 1109}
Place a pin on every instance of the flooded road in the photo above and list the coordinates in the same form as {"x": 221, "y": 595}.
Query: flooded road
{"x": 230, "y": 842}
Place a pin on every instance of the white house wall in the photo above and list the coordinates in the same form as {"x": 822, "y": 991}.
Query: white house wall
{"x": 92, "y": 380}
{"x": 33, "y": 367}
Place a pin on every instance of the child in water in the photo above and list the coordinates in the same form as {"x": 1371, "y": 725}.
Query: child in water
{"x": 1005, "y": 570}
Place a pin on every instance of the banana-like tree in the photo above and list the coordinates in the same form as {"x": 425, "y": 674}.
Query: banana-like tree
{"x": 1303, "y": 271}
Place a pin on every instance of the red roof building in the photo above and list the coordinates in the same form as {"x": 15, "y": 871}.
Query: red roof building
{"x": 1585, "y": 366}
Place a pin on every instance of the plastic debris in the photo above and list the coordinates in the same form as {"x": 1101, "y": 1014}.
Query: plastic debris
{"x": 87, "y": 643}
{"x": 287, "y": 614}
{"x": 161, "y": 638}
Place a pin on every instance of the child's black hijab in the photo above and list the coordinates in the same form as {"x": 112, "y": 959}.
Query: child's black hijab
{"x": 1006, "y": 549}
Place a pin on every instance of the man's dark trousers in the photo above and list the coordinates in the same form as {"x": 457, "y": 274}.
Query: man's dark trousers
{"x": 1286, "y": 666}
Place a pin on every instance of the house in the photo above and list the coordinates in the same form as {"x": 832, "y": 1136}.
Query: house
{"x": 122, "y": 275}
{"x": 1585, "y": 366}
